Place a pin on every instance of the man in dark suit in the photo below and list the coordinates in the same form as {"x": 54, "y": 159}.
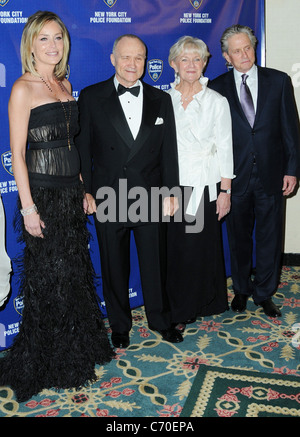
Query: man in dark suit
{"x": 266, "y": 159}
{"x": 128, "y": 141}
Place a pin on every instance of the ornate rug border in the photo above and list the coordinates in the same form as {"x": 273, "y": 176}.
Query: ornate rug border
{"x": 207, "y": 376}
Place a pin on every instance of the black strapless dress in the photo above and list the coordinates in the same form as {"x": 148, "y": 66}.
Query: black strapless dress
{"x": 62, "y": 335}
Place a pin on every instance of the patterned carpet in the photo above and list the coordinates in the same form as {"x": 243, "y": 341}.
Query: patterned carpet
{"x": 220, "y": 392}
{"x": 152, "y": 378}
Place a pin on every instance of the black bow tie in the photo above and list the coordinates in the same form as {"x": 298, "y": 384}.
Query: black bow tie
{"x": 122, "y": 89}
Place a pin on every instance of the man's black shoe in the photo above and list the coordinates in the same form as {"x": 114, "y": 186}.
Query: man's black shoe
{"x": 270, "y": 309}
{"x": 120, "y": 339}
{"x": 239, "y": 303}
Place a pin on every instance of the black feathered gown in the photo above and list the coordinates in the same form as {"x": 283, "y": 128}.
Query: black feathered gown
{"x": 62, "y": 335}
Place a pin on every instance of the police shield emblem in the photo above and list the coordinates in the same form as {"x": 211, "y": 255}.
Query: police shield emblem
{"x": 19, "y": 304}
{"x": 155, "y": 68}
{"x": 110, "y": 3}
{"x": 3, "y": 2}
{"x": 196, "y": 3}
{"x": 6, "y": 162}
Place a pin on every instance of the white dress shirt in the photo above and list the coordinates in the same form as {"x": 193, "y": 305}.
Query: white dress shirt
{"x": 132, "y": 107}
{"x": 251, "y": 82}
{"x": 204, "y": 140}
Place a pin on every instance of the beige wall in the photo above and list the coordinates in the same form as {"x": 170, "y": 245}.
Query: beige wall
{"x": 283, "y": 53}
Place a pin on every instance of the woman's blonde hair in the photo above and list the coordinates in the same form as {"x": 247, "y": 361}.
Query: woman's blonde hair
{"x": 31, "y": 30}
{"x": 189, "y": 43}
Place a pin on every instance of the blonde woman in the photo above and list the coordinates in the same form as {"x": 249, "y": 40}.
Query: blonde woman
{"x": 61, "y": 336}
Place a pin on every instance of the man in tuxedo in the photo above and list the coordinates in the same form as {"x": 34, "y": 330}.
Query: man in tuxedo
{"x": 127, "y": 141}
{"x": 266, "y": 159}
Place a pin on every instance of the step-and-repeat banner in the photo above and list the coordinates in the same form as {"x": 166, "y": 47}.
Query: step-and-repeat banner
{"x": 93, "y": 26}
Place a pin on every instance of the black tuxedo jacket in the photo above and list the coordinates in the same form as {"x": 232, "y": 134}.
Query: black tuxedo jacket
{"x": 107, "y": 149}
{"x": 274, "y": 139}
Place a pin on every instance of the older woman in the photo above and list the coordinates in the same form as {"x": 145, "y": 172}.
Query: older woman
{"x": 196, "y": 279}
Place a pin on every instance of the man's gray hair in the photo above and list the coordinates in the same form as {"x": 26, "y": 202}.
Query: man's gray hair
{"x": 234, "y": 30}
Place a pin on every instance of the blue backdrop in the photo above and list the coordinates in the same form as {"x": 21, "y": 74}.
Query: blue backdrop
{"x": 93, "y": 26}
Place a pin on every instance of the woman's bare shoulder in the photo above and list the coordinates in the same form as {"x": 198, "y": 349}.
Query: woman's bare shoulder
{"x": 22, "y": 89}
{"x": 27, "y": 90}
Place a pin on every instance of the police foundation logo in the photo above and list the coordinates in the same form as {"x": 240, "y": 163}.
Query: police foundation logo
{"x": 110, "y": 3}
{"x": 6, "y": 162}
{"x": 3, "y": 2}
{"x": 155, "y": 68}
{"x": 19, "y": 304}
{"x": 196, "y": 3}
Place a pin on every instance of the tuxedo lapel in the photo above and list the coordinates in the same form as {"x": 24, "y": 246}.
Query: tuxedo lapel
{"x": 113, "y": 108}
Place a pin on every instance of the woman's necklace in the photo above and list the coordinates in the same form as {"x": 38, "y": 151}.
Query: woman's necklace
{"x": 68, "y": 118}
{"x": 186, "y": 99}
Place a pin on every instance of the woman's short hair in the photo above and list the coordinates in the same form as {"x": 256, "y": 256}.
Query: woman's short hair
{"x": 31, "y": 30}
{"x": 234, "y": 30}
{"x": 189, "y": 43}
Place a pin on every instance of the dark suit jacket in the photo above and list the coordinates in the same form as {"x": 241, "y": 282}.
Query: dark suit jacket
{"x": 274, "y": 138}
{"x": 109, "y": 152}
